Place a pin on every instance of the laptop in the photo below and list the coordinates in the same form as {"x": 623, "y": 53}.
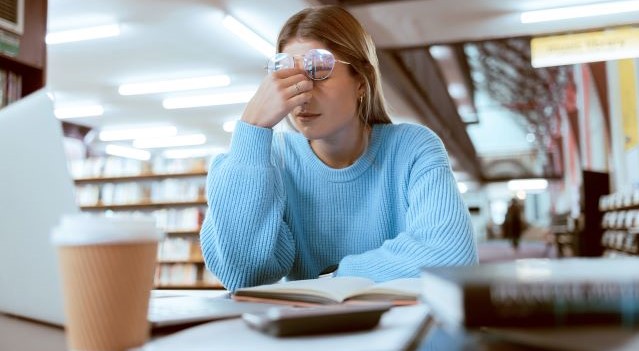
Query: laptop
{"x": 36, "y": 189}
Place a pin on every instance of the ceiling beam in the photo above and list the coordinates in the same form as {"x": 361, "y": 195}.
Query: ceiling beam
{"x": 600, "y": 78}
{"x": 415, "y": 75}
{"x": 464, "y": 67}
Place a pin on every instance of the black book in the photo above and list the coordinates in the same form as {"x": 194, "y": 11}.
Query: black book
{"x": 536, "y": 292}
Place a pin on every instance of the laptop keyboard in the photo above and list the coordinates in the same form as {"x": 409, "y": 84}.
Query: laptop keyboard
{"x": 175, "y": 310}
{"x": 174, "y": 307}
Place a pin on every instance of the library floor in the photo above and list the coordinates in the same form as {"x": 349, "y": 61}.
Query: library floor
{"x": 533, "y": 244}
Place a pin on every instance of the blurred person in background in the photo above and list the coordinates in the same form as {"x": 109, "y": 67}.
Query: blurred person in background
{"x": 513, "y": 224}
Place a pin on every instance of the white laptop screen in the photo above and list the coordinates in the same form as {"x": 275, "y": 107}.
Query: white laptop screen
{"x": 35, "y": 190}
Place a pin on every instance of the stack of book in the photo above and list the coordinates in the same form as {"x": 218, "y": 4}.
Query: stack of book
{"x": 536, "y": 292}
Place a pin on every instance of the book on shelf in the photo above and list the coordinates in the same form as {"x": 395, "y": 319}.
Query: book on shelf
{"x": 93, "y": 168}
{"x": 536, "y": 292}
{"x": 3, "y": 87}
{"x": 337, "y": 290}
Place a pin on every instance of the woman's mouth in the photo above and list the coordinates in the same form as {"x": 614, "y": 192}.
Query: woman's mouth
{"x": 307, "y": 116}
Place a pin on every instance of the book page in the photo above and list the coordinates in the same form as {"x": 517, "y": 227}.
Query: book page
{"x": 398, "y": 289}
{"x": 334, "y": 289}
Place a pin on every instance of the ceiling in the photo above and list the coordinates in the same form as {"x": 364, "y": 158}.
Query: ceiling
{"x": 185, "y": 38}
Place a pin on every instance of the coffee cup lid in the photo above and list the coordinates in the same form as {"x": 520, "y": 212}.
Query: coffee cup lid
{"x": 88, "y": 229}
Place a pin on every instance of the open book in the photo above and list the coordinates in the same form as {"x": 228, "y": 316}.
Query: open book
{"x": 333, "y": 291}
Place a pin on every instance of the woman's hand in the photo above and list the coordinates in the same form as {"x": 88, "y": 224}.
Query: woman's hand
{"x": 279, "y": 93}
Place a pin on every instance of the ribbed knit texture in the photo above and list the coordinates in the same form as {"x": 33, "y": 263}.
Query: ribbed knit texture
{"x": 276, "y": 210}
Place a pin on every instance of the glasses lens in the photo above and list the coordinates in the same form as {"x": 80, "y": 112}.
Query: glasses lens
{"x": 319, "y": 63}
{"x": 280, "y": 61}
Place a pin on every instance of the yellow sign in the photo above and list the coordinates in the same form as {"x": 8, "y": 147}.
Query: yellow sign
{"x": 628, "y": 95}
{"x": 612, "y": 44}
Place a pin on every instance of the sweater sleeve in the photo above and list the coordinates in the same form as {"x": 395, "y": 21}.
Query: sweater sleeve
{"x": 245, "y": 241}
{"x": 438, "y": 229}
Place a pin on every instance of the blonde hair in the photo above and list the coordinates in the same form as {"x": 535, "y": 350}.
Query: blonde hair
{"x": 344, "y": 36}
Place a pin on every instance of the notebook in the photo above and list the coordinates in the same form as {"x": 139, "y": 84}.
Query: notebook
{"x": 36, "y": 189}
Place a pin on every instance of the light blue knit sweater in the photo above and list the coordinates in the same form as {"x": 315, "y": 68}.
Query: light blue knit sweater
{"x": 276, "y": 210}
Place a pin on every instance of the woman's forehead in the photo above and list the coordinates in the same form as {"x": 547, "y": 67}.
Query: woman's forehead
{"x": 301, "y": 46}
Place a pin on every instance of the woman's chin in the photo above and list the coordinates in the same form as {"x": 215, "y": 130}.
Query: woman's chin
{"x": 308, "y": 132}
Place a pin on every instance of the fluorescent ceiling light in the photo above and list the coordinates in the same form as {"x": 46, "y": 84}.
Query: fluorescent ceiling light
{"x": 121, "y": 151}
{"x": 457, "y": 90}
{"x": 562, "y": 13}
{"x": 463, "y": 188}
{"x": 229, "y": 98}
{"x": 249, "y": 36}
{"x": 180, "y": 140}
{"x": 465, "y": 110}
{"x": 229, "y": 126}
{"x": 175, "y": 85}
{"x": 467, "y": 113}
{"x": 527, "y": 184}
{"x": 89, "y": 33}
{"x": 530, "y": 137}
{"x": 440, "y": 52}
{"x": 192, "y": 152}
{"x": 137, "y": 133}
{"x": 79, "y": 111}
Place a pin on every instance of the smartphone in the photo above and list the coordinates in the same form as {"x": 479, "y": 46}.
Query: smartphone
{"x": 289, "y": 321}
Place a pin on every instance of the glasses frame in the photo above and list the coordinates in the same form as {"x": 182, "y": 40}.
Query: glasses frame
{"x": 305, "y": 57}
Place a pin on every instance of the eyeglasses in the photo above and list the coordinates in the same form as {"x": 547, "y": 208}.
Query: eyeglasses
{"x": 317, "y": 63}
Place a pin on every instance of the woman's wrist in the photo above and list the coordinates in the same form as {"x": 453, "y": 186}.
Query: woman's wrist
{"x": 255, "y": 122}
{"x": 251, "y": 143}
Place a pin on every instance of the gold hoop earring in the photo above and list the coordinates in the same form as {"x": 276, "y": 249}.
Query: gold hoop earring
{"x": 361, "y": 99}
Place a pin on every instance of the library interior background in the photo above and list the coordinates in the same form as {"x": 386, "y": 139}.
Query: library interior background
{"x": 539, "y": 115}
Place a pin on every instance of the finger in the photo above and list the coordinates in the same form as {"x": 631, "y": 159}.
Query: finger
{"x": 293, "y": 90}
{"x": 287, "y": 72}
{"x": 300, "y": 99}
{"x": 299, "y": 88}
{"x": 305, "y": 85}
{"x": 288, "y": 81}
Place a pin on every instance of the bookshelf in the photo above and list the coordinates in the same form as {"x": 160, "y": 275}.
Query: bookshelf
{"x": 171, "y": 191}
{"x": 23, "y": 55}
{"x": 182, "y": 232}
{"x": 594, "y": 186}
{"x": 192, "y": 260}
{"x": 620, "y": 223}
{"x": 198, "y": 285}
{"x": 139, "y": 177}
{"x": 145, "y": 204}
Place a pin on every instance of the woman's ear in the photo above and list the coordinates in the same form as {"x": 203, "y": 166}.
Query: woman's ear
{"x": 361, "y": 88}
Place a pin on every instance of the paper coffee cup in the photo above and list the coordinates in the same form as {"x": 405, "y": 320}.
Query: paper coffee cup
{"x": 107, "y": 266}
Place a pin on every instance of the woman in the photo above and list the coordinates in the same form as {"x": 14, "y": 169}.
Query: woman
{"x": 350, "y": 190}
